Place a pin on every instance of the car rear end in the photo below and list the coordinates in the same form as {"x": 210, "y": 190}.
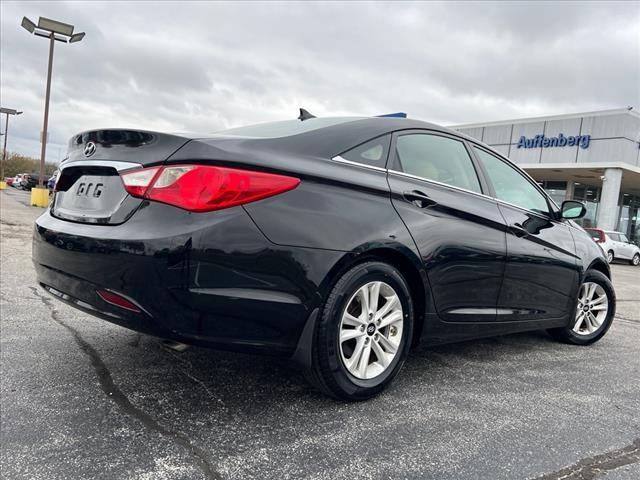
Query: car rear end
{"x": 604, "y": 242}
{"x": 168, "y": 249}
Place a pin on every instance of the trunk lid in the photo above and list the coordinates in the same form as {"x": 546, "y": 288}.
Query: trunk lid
{"x": 89, "y": 188}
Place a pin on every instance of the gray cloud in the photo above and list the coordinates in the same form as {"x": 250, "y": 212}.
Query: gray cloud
{"x": 206, "y": 66}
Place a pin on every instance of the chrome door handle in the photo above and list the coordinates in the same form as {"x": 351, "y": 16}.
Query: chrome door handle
{"x": 419, "y": 199}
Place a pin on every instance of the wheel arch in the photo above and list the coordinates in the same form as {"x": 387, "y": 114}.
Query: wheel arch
{"x": 406, "y": 262}
{"x": 601, "y": 266}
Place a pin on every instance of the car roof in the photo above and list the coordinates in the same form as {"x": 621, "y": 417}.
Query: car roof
{"x": 334, "y": 139}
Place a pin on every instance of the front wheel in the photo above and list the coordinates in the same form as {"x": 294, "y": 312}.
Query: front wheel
{"x": 595, "y": 309}
{"x": 364, "y": 333}
{"x": 610, "y": 256}
{"x": 635, "y": 261}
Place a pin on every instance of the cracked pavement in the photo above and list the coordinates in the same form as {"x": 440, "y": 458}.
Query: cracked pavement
{"x": 81, "y": 398}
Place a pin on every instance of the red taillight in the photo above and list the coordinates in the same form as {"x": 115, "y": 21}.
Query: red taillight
{"x": 138, "y": 181}
{"x": 203, "y": 188}
{"x": 118, "y": 300}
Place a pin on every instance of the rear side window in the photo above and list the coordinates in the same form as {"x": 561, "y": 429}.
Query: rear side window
{"x": 510, "y": 185}
{"x": 437, "y": 158}
{"x": 373, "y": 152}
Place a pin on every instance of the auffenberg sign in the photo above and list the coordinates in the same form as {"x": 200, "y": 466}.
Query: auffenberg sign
{"x": 540, "y": 141}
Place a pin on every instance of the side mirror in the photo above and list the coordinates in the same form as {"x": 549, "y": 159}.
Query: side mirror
{"x": 572, "y": 209}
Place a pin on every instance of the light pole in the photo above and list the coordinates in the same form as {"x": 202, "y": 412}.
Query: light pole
{"x": 7, "y": 112}
{"x": 54, "y": 31}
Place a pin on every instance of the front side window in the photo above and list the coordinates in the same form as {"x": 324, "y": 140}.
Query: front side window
{"x": 437, "y": 158}
{"x": 374, "y": 152}
{"x": 510, "y": 185}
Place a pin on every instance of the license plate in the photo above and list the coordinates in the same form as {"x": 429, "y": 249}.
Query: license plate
{"x": 91, "y": 187}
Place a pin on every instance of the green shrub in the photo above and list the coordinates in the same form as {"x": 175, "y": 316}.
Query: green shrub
{"x": 17, "y": 163}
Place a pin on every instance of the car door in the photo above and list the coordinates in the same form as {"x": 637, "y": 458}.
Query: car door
{"x": 541, "y": 272}
{"x": 616, "y": 245}
{"x": 613, "y": 244}
{"x": 627, "y": 247}
{"x": 457, "y": 228}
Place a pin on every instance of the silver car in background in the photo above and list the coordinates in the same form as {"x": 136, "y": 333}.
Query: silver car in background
{"x": 616, "y": 245}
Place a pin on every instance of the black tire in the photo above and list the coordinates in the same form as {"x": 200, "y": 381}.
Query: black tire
{"x": 635, "y": 261}
{"x": 567, "y": 335}
{"x": 610, "y": 256}
{"x": 328, "y": 372}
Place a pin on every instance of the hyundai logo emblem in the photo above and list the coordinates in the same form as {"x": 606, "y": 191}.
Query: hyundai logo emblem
{"x": 89, "y": 149}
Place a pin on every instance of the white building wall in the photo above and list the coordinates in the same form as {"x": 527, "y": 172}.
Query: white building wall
{"x": 497, "y": 135}
{"x": 614, "y": 138}
{"x": 613, "y": 150}
{"x": 526, "y": 129}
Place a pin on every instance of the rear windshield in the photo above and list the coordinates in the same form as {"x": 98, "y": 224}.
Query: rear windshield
{"x": 285, "y": 128}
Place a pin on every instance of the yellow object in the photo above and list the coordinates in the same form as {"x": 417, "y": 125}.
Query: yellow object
{"x": 3, "y": 185}
{"x": 39, "y": 197}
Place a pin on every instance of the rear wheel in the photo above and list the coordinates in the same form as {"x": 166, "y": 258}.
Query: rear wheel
{"x": 594, "y": 313}
{"x": 364, "y": 333}
{"x": 635, "y": 261}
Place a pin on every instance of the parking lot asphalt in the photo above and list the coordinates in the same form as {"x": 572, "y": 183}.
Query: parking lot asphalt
{"x": 81, "y": 398}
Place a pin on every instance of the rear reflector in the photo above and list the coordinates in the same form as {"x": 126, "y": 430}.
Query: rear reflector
{"x": 118, "y": 300}
{"x": 204, "y": 188}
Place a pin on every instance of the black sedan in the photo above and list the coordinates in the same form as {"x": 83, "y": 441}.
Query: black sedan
{"x": 337, "y": 242}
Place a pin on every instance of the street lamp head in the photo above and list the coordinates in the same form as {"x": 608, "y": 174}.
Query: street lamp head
{"x": 28, "y": 25}
{"x": 55, "y": 26}
{"x": 54, "y": 31}
{"x": 76, "y": 37}
{"x": 9, "y": 111}
{"x": 48, "y": 28}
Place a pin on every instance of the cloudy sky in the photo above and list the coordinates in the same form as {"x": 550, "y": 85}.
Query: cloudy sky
{"x": 180, "y": 66}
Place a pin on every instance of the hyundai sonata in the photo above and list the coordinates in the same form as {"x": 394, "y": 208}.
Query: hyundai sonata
{"x": 337, "y": 242}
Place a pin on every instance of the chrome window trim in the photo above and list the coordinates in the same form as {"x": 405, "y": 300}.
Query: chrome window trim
{"x": 546, "y": 216}
{"x": 118, "y": 165}
{"x": 435, "y": 182}
{"x": 338, "y": 158}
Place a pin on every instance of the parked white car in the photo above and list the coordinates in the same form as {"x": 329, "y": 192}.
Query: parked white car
{"x": 616, "y": 245}
{"x": 17, "y": 181}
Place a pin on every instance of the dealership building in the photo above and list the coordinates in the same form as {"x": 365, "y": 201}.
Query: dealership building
{"x": 593, "y": 157}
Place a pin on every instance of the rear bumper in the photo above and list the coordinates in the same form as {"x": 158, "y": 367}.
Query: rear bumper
{"x": 209, "y": 279}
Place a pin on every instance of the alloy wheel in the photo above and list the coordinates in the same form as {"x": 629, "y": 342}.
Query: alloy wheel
{"x": 592, "y": 309}
{"x": 609, "y": 257}
{"x": 636, "y": 259}
{"x": 371, "y": 330}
